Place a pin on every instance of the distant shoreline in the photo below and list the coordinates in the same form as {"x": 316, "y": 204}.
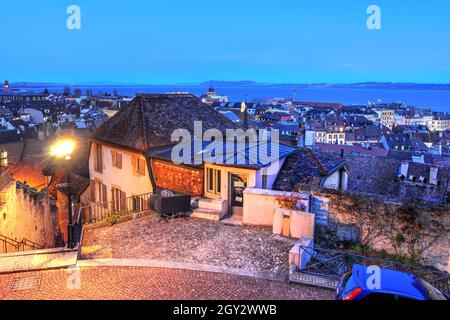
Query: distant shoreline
{"x": 247, "y": 84}
{"x": 432, "y": 97}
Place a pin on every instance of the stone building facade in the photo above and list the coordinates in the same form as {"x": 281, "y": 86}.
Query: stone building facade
{"x": 25, "y": 214}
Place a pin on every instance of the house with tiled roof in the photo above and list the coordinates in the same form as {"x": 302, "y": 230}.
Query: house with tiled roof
{"x": 424, "y": 181}
{"x": 402, "y": 142}
{"x": 313, "y": 167}
{"x": 132, "y": 154}
{"x": 370, "y": 134}
{"x": 331, "y": 130}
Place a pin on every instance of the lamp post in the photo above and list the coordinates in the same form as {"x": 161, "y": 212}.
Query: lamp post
{"x": 63, "y": 149}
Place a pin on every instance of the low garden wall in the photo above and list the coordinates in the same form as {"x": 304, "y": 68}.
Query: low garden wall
{"x": 261, "y": 208}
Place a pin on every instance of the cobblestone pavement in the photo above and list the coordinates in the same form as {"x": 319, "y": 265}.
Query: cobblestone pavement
{"x": 190, "y": 240}
{"x": 136, "y": 283}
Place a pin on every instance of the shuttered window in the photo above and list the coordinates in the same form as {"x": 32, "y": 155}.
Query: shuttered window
{"x": 104, "y": 196}
{"x": 119, "y": 199}
{"x": 116, "y": 159}
{"x": 92, "y": 189}
{"x": 98, "y": 158}
{"x": 119, "y": 160}
{"x": 98, "y": 191}
{"x": 123, "y": 201}
{"x": 138, "y": 166}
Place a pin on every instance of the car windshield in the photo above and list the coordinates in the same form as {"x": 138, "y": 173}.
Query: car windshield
{"x": 428, "y": 290}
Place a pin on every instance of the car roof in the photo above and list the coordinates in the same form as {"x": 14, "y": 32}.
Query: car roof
{"x": 391, "y": 281}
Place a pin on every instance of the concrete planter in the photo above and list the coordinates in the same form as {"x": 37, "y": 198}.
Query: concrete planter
{"x": 293, "y": 223}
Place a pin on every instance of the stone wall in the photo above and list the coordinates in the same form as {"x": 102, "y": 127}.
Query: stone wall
{"x": 180, "y": 179}
{"x": 415, "y": 230}
{"x": 25, "y": 215}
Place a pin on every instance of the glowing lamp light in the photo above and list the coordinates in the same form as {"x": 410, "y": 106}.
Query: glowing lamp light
{"x": 63, "y": 149}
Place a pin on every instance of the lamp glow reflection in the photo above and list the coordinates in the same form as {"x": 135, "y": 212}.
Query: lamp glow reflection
{"x": 63, "y": 149}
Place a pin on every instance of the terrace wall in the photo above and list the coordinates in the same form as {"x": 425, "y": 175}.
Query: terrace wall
{"x": 27, "y": 216}
{"x": 415, "y": 230}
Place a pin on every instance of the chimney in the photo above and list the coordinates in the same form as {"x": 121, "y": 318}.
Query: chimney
{"x": 306, "y": 138}
{"x": 301, "y": 139}
{"x": 245, "y": 120}
{"x": 41, "y": 132}
{"x": 434, "y": 175}
{"x": 342, "y": 153}
{"x": 404, "y": 168}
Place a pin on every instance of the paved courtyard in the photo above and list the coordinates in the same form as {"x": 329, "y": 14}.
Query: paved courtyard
{"x": 191, "y": 240}
{"x": 137, "y": 283}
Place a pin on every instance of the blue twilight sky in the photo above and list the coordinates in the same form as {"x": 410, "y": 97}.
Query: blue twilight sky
{"x": 182, "y": 41}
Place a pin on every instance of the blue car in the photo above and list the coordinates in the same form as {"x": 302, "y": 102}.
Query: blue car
{"x": 392, "y": 285}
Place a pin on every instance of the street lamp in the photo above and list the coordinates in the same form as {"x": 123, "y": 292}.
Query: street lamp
{"x": 63, "y": 149}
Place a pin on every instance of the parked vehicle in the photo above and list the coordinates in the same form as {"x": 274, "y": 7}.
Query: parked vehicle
{"x": 393, "y": 285}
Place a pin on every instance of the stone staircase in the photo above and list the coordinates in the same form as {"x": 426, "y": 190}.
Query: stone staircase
{"x": 211, "y": 209}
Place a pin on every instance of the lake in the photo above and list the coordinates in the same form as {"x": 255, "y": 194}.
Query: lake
{"x": 438, "y": 100}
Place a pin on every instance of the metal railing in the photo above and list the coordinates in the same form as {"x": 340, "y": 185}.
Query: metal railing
{"x": 101, "y": 211}
{"x": 10, "y": 245}
{"x": 33, "y": 245}
{"x": 330, "y": 265}
{"x": 5, "y": 178}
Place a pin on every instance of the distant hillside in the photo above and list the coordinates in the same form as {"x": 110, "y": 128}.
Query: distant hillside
{"x": 362, "y": 85}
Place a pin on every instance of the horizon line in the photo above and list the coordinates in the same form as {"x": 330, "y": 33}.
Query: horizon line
{"x": 111, "y": 83}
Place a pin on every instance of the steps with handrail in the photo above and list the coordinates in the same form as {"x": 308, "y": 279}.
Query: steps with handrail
{"x": 8, "y": 245}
